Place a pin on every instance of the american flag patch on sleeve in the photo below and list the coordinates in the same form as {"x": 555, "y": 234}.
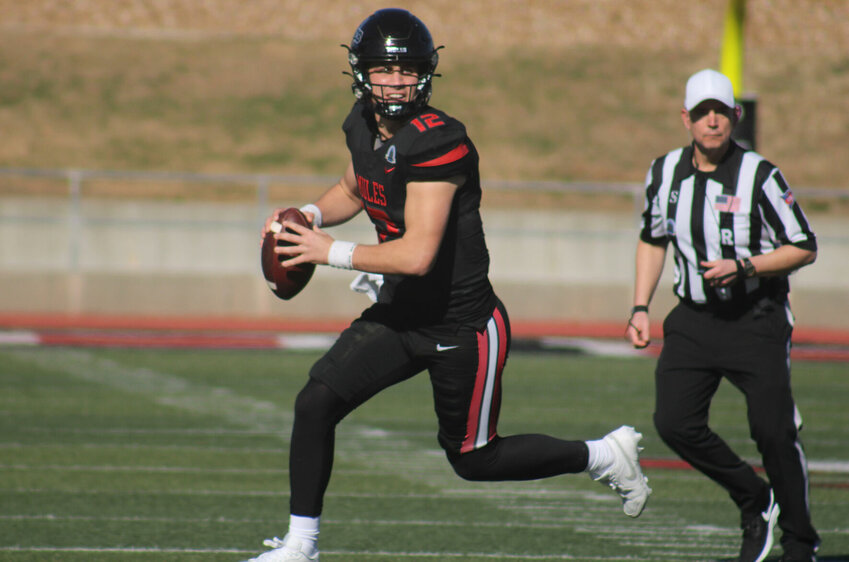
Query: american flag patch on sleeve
{"x": 726, "y": 204}
{"x": 788, "y": 197}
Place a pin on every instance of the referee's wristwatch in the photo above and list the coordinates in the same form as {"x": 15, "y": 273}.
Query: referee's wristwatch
{"x": 747, "y": 267}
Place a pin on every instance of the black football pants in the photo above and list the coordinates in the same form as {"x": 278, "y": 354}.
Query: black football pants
{"x": 752, "y": 351}
{"x": 465, "y": 367}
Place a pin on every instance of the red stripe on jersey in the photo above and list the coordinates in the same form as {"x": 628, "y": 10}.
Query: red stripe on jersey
{"x": 446, "y": 158}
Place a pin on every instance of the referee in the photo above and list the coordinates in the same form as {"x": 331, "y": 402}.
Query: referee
{"x": 737, "y": 234}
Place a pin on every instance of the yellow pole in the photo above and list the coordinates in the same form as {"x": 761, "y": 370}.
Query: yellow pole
{"x": 731, "y": 56}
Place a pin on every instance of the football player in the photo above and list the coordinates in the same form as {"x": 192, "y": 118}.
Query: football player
{"x": 414, "y": 171}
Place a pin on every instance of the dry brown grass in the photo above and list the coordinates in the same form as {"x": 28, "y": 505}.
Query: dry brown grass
{"x": 809, "y": 25}
{"x": 550, "y": 89}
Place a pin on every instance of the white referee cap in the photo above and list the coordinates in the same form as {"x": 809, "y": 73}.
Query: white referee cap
{"x": 708, "y": 84}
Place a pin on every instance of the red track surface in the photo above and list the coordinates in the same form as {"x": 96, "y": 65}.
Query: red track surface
{"x": 251, "y": 333}
{"x": 818, "y": 336}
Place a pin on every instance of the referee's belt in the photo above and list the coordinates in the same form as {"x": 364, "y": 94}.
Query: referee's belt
{"x": 766, "y": 294}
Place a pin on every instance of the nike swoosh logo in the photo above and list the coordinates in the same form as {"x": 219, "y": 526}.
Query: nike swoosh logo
{"x": 440, "y": 347}
{"x": 388, "y": 170}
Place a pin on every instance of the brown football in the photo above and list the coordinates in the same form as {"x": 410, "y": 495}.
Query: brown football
{"x": 285, "y": 282}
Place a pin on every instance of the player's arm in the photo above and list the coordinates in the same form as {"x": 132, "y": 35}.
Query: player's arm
{"x": 426, "y": 213}
{"x": 342, "y": 201}
{"x": 338, "y": 204}
{"x": 649, "y": 267}
{"x": 781, "y": 261}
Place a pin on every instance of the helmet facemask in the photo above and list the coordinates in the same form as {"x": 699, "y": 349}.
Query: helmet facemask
{"x": 417, "y": 94}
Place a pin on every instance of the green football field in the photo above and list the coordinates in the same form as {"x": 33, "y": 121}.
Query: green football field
{"x": 181, "y": 455}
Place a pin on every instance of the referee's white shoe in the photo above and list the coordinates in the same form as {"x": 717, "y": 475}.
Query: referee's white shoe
{"x": 624, "y": 475}
{"x": 287, "y": 550}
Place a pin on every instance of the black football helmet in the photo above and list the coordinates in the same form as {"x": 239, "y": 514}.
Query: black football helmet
{"x": 393, "y": 36}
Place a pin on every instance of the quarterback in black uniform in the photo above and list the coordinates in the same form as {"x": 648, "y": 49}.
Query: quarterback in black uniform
{"x": 414, "y": 171}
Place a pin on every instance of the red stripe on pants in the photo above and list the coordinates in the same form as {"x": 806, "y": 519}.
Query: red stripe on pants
{"x": 486, "y": 398}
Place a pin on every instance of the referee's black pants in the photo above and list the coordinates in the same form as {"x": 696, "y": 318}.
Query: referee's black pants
{"x": 752, "y": 351}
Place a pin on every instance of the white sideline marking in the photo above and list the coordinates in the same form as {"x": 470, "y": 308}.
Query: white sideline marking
{"x": 124, "y": 550}
{"x": 19, "y": 337}
{"x": 156, "y": 431}
{"x": 180, "y": 469}
{"x": 139, "y": 447}
{"x": 305, "y": 342}
{"x": 592, "y": 346}
{"x": 153, "y": 469}
{"x": 464, "y": 555}
{"x": 325, "y": 521}
{"x": 649, "y": 531}
{"x": 833, "y": 467}
{"x": 474, "y": 495}
{"x": 355, "y": 553}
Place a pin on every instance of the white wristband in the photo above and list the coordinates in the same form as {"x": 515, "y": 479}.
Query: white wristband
{"x": 341, "y": 254}
{"x": 315, "y": 211}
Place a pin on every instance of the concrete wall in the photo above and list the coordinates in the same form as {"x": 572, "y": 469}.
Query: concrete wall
{"x": 154, "y": 258}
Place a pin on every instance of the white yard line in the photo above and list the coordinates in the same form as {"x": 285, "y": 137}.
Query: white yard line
{"x": 357, "y": 554}
{"x": 148, "y": 469}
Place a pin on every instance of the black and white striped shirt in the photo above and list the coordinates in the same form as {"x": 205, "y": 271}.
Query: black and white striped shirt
{"x": 741, "y": 209}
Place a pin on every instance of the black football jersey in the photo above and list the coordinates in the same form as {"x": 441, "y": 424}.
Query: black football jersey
{"x": 431, "y": 146}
